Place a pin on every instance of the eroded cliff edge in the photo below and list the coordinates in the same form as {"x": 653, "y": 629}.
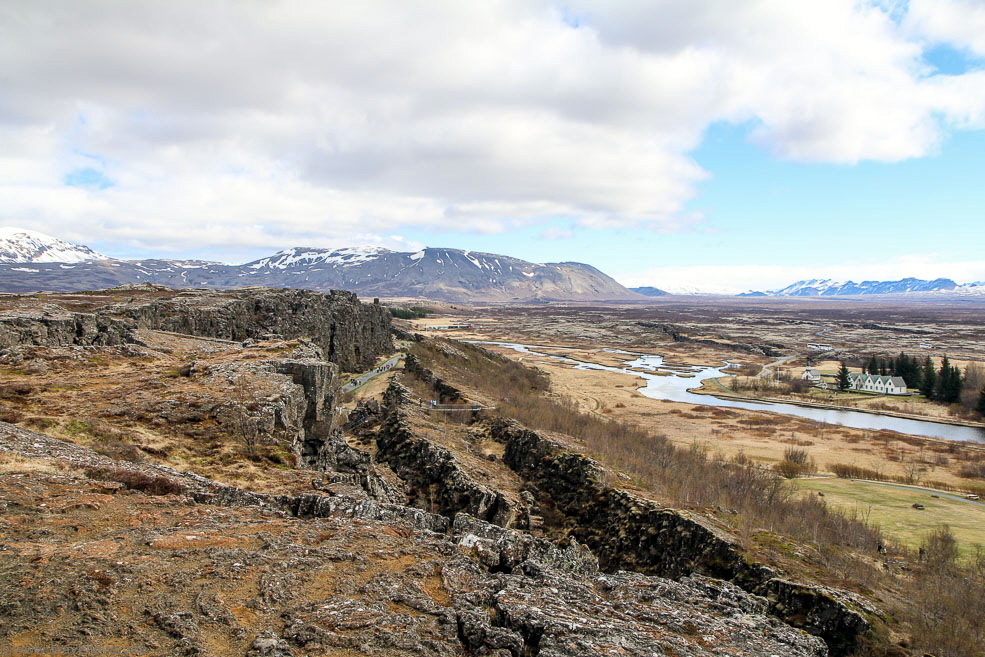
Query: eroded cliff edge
{"x": 418, "y": 544}
{"x": 625, "y": 531}
{"x": 350, "y": 334}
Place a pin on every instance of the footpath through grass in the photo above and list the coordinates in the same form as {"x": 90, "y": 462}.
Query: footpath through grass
{"x": 892, "y": 510}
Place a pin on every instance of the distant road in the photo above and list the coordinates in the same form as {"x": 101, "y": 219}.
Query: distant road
{"x": 920, "y": 489}
{"x": 766, "y": 371}
{"x": 363, "y": 378}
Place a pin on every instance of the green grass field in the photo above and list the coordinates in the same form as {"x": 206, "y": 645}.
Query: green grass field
{"x": 891, "y": 509}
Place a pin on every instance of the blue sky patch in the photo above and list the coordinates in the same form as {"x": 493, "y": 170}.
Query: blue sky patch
{"x": 949, "y": 61}
{"x": 89, "y": 178}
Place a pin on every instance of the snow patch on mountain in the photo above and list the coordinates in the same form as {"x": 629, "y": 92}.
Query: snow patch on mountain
{"x": 306, "y": 256}
{"x": 19, "y": 245}
{"x": 827, "y": 287}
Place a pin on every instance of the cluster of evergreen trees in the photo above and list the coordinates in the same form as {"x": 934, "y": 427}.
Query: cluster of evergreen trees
{"x": 942, "y": 384}
{"x": 910, "y": 369}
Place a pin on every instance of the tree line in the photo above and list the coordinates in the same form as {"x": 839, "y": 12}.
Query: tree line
{"x": 944, "y": 384}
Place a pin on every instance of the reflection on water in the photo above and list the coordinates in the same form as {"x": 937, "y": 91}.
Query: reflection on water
{"x": 673, "y": 383}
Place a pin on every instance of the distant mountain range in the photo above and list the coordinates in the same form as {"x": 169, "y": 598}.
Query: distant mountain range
{"x": 648, "y": 291}
{"x": 828, "y": 288}
{"x": 445, "y": 274}
{"x": 31, "y": 261}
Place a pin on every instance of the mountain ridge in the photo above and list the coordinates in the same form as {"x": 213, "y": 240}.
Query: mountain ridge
{"x": 826, "y": 287}
{"x": 438, "y": 273}
{"x": 20, "y": 246}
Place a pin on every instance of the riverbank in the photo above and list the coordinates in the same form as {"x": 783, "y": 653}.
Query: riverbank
{"x": 728, "y": 393}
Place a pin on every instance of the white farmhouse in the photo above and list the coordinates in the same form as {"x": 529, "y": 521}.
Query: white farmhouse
{"x": 884, "y": 385}
{"x": 812, "y": 376}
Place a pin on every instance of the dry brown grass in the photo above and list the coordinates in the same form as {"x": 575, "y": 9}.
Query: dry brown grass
{"x": 11, "y": 463}
{"x": 690, "y": 477}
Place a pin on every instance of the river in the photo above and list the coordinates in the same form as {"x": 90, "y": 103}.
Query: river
{"x": 674, "y": 383}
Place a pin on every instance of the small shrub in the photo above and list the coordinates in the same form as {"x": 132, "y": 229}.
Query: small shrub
{"x": 101, "y": 577}
{"x": 847, "y": 471}
{"x": 150, "y": 484}
{"x": 798, "y": 456}
{"x": 11, "y": 416}
{"x": 972, "y": 471}
{"x": 120, "y": 451}
{"x": 796, "y": 462}
{"x": 15, "y": 391}
{"x": 788, "y": 469}
{"x": 41, "y": 423}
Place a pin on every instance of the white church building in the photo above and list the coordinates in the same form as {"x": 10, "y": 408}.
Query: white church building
{"x": 883, "y": 385}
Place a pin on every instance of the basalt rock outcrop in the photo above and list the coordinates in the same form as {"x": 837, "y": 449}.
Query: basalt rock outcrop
{"x": 628, "y": 532}
{"x": 225, "y": 571}
{"x": 350, "y": 333}
{"x": 55, "y": 327}
{"x": 446, "y": 392}
{"x": 433, "y": 477}
{"x": 304, "y": 408}
{"x": 625, "y": 531}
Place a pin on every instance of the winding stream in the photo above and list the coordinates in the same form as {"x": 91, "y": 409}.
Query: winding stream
{"x": 673, "y": 383}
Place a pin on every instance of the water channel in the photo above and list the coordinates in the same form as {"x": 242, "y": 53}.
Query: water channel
{"x": 674, "y": 382}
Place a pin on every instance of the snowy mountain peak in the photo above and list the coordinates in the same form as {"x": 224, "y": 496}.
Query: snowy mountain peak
{"x": 829, "y": 287}
{"x": 18, "y": 245}
{"x": 306, "y": 257}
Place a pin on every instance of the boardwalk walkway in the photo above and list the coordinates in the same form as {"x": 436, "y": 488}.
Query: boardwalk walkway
{"x": 363, "y": 378}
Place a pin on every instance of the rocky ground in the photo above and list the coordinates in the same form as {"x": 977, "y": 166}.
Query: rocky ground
{"x": 176, "y": 494}
{"x": 89, "y": 563}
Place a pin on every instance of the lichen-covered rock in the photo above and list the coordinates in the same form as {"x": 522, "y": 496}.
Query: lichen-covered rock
{"x": 54, "y": 327}
{"x": 552, "y": 613}
{"x": 350, "y": 333}
{"x": 237, "y": 572}
{"x": 631, "y": 533}
{"x": 268, "y": 644}
{"x": 311, "y": 505}
{"x": 504, "y": 550}
{"x": 432, "y": 475}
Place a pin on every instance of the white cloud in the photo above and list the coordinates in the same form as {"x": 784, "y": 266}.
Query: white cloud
{"x": 249, "y": 124}
{"x": 734, "y": 279}
{"x": 557, "y": 233}
{"x": 957, "y": 23}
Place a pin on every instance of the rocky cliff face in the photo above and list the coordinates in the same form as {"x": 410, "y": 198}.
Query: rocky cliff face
{"x": 351, "y": 334}
{"x": 630, "y": 533}
{"x": 432, "y": 475}
{"x": 626, "y": 532}
{"x": 55, "y": 327}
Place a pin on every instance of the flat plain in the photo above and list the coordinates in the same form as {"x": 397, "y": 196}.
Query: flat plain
{"x": 754, "y": 333}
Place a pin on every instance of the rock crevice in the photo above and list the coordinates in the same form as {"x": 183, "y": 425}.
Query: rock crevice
{"x": 628, "y": 532}
{"x": 432, "y": 476}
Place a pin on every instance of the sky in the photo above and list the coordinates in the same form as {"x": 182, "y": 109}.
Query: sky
{"x": 712, "y": 145}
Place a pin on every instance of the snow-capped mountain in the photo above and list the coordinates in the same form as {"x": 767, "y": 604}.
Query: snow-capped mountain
{"x": 307, "y": 257}
{"x": 18, "y": 245}
{"x": 827, "y": 287}
{"x": 448, "y": 274}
